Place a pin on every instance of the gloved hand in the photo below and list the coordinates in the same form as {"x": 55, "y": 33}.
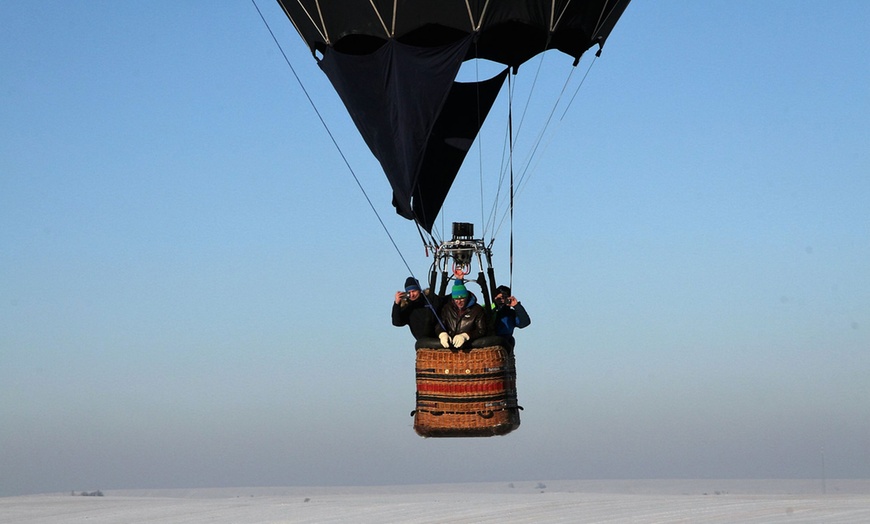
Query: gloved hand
{"x": 445, "y": 340}
{"x": 460, "y": 339}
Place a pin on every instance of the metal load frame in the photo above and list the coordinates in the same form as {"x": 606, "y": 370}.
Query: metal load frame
{"x": 454, "y": 259}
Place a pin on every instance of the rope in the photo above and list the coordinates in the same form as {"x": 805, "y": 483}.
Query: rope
{"x": 511, "y": 139}
{"x": 506, "y": 153}
{"x": 582, "y": 80}
{"x": 332, "y": 138}
{"x": 479, "y": 142}
{"x": 537, "y": 150}
{"x": 511, "y": 255}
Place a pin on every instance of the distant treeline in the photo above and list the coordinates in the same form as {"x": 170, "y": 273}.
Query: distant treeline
{"x": 97, "y": 493}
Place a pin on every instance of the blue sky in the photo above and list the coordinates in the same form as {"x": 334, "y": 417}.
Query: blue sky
{"x": 194, "y": 291}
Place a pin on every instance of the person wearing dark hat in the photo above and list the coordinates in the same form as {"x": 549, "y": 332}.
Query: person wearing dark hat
{"x": 412, "y": 309}
{"x": 462, "y": 317}
{"x": 509, "y": 314}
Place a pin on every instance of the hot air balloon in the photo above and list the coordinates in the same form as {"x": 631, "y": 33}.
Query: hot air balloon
{"x": 394, "y": 64}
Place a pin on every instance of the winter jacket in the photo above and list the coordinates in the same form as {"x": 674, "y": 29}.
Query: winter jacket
{"x": 507, "y": 318}
{"x": 471, "y": 320}
{"x": 418, "y": 315}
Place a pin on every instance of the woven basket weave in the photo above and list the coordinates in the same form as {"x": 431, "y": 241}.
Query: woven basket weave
{"x": 466, "y": 393}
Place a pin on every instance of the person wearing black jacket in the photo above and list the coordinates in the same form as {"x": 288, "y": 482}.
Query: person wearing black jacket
{"x": 412, "y": 309}
{"x": 464, "y": 319}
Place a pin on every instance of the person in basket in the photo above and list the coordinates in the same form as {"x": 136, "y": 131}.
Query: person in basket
{"x": 462, "y": 317}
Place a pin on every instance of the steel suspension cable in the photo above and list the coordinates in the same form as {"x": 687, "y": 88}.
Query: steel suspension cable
{"x": 527, "y": 171}
{"x": 511, "y": 255}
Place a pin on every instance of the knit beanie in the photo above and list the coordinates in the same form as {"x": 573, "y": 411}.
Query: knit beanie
{"x": 458, "y": 290}
{"x": 411, "y": 284}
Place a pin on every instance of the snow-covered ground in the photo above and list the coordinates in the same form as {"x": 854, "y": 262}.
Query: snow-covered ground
{"x": 635, "y": 501}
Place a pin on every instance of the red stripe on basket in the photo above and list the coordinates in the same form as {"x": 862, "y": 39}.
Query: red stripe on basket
{"x": 466, "y": 387}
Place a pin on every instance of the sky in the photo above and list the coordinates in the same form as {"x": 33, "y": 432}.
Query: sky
{"x": 195, "y": 291}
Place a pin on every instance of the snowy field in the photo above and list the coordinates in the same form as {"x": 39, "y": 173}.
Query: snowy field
{"x": 641, "y": 501}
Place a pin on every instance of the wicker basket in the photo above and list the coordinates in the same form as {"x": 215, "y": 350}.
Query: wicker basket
{"x": 466, "y": 393}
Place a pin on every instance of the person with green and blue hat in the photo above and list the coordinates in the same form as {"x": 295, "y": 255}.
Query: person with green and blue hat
{"x": 462, "y": 317}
